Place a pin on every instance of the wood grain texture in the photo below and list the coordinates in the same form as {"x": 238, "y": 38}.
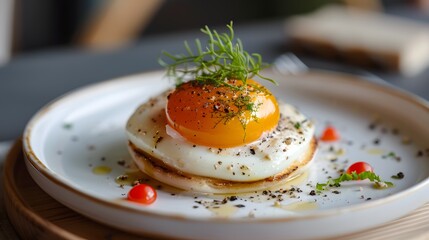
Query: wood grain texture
{"x": 35, "y": 215}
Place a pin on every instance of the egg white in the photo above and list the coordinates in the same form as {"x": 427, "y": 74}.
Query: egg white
{"x": 266, "y": 157}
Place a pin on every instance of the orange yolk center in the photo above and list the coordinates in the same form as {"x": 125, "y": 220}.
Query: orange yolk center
{"x": 222, "y": 116}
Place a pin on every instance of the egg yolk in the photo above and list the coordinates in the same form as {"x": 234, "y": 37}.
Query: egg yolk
{"x": 221, "y": 117}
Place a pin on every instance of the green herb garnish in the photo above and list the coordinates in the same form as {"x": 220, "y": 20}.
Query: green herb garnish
{"x": 221, "y": 60}
{"x": 297, "y": 125}
{"x": 351, "y": 177}
{"x": 392, "y": 155}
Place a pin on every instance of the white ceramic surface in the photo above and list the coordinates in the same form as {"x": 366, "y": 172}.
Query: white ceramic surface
{"x": 66, "y": 140}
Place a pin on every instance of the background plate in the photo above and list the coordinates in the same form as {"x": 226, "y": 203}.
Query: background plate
{"x": 76, "y": 148}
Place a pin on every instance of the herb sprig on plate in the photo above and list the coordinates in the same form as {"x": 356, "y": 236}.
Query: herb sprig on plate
{"x": 352, "y": 177}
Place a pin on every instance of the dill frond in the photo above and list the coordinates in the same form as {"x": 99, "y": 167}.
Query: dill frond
{"x": 221, "y": 60}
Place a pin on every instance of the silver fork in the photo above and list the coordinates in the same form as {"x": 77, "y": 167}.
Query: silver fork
{"x": 289, "y": 63}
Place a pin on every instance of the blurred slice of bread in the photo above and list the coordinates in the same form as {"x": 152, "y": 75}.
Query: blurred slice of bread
{"x": 364, "y": 38}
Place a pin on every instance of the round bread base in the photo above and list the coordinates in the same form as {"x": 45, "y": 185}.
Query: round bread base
{"x": 156, "y": 169}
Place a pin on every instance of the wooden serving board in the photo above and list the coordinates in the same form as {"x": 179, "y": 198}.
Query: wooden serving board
{"x": 36, "y": 215}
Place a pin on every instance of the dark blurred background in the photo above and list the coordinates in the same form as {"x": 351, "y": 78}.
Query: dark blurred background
{"x": 51, "y": 23}
{"x": 43, "y": 24}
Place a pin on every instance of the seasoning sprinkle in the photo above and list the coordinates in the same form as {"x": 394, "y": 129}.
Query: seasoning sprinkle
{"x": 399, "y": 175}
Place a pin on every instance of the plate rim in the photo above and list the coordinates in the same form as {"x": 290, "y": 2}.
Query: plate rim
{"x": 35, "y": 162}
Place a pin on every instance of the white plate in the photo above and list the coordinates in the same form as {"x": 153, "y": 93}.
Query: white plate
{"x": 69, "y": 138}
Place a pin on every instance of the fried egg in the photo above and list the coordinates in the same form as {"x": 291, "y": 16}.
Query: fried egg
{"x": 199, "y": 138}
